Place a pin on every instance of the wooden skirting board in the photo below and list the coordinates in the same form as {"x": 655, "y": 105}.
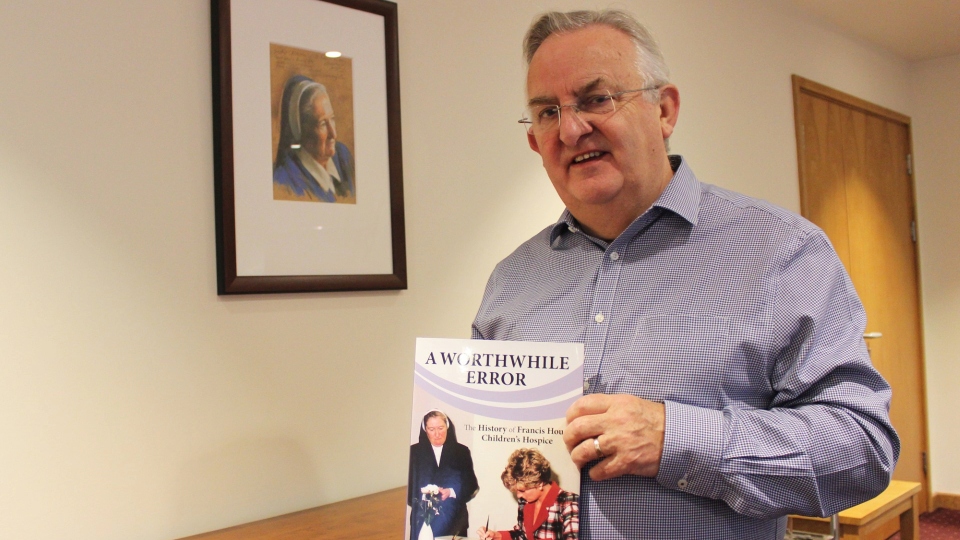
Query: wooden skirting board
{"x": 949, "y": 501}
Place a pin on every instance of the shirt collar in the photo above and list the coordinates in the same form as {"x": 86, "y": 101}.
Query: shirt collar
{"x": 533, "y": 522}
{"x": 681, "y": 196}
{"x": 325, "y": 175}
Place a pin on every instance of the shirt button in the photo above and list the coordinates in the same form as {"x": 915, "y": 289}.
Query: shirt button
{"x": 599, "y": 317}
{"x": 571, "y": 228}
{"x": 586, "y": 386}
{"x": 614, "y": 256}
{"x": 682, "y": 483}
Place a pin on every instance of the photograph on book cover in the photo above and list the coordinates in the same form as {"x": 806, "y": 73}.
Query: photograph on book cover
{"x": 475, "y": 405}
{"x": 307, "y": 164}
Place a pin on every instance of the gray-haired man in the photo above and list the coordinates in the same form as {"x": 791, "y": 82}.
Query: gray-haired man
{"x": 728, "y": 383}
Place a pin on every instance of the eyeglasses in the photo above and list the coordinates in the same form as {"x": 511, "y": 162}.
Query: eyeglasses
{"x": 540, "y": 119}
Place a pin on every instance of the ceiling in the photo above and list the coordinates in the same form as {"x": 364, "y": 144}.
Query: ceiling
{"x": 911, "y": 29}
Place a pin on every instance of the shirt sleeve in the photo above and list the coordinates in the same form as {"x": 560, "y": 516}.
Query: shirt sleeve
{"x": 570, "y": 516}
{"x": 825, "y": 441}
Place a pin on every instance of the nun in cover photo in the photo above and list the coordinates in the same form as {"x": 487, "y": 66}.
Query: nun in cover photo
{"x": 442, "y": 479}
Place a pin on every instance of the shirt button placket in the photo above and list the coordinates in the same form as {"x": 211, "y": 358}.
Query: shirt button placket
{"x": 608, "y": 275}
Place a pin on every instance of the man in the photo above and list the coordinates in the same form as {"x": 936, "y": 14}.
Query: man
{"x": 311, "y": 165}
{"x": 438, "y": 459}
{"x": 727, "y": 379}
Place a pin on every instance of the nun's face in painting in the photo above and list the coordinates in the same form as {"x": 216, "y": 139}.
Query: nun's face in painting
{"x": 436, "y": 431}
{"x": 320, "y": 140}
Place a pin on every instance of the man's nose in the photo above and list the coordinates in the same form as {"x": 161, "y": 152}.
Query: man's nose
{"x": 332, "y": 130}
{"x": 572, "y": 127}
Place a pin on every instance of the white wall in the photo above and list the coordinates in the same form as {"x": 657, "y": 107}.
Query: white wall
{"x": 136, "y": 404}
{"x": 936, "y": 137}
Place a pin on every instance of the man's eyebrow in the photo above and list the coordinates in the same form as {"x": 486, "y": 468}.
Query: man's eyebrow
{"x": 589, "y": 87}
{"x": 541, "y": 100}
{"x": 585, "y": 89}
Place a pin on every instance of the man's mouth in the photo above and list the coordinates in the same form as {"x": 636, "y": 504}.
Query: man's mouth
{"x": 588, "y": 156}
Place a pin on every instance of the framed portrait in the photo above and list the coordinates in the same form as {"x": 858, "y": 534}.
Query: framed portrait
{"x": 307, "y": 159}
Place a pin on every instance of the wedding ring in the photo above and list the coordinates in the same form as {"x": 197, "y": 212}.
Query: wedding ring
{"x": 596, "y": 446}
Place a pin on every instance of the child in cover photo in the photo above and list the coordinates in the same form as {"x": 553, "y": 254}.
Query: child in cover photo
{"x": 545, "y": 511}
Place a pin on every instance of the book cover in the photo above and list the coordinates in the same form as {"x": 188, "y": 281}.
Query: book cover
{"x": 477, "y": 403}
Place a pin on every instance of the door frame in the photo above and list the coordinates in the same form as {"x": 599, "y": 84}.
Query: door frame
{"x": 802, "y": 85}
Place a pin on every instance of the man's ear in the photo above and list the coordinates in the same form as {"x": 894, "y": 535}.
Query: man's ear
{"x": 669, "y": 109}
{"x": 532, "y": 141}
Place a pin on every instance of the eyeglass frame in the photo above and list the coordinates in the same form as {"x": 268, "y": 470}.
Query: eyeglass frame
{"x": 578, "y": 106}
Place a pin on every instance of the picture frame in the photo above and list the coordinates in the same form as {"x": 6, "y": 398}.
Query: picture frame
{"x": 308, "y": 170}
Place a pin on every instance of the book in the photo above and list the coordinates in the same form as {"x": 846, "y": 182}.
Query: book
{"x": 481, "y": 401}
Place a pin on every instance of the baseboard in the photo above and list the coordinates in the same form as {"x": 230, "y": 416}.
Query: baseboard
{"x": 949, "y": 501}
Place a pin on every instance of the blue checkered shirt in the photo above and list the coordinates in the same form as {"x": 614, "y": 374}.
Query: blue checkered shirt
{"x": 741, "y": 319}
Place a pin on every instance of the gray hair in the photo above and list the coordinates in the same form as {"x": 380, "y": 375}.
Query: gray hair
{"x": 650, "y": 63}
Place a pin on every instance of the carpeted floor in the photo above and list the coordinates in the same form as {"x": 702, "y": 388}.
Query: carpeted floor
{"x": 941, "y": 524}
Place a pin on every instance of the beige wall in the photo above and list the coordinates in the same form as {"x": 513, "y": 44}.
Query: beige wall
{"x": 136, "y": 404}
{"x": 936, "y": 137}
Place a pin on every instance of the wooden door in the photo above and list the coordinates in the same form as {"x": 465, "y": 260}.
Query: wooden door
{"x": 856, "y": 184}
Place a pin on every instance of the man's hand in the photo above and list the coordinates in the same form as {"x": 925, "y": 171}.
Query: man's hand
{"x": 445, "y": 493}
{"x": 629, "y": 429}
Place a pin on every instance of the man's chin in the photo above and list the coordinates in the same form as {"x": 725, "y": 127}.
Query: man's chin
{"x": 595, "y": 191}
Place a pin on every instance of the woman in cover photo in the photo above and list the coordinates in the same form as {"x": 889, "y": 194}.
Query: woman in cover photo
{"x": 438, "y": 462}
{"x": 545, "y": 512}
